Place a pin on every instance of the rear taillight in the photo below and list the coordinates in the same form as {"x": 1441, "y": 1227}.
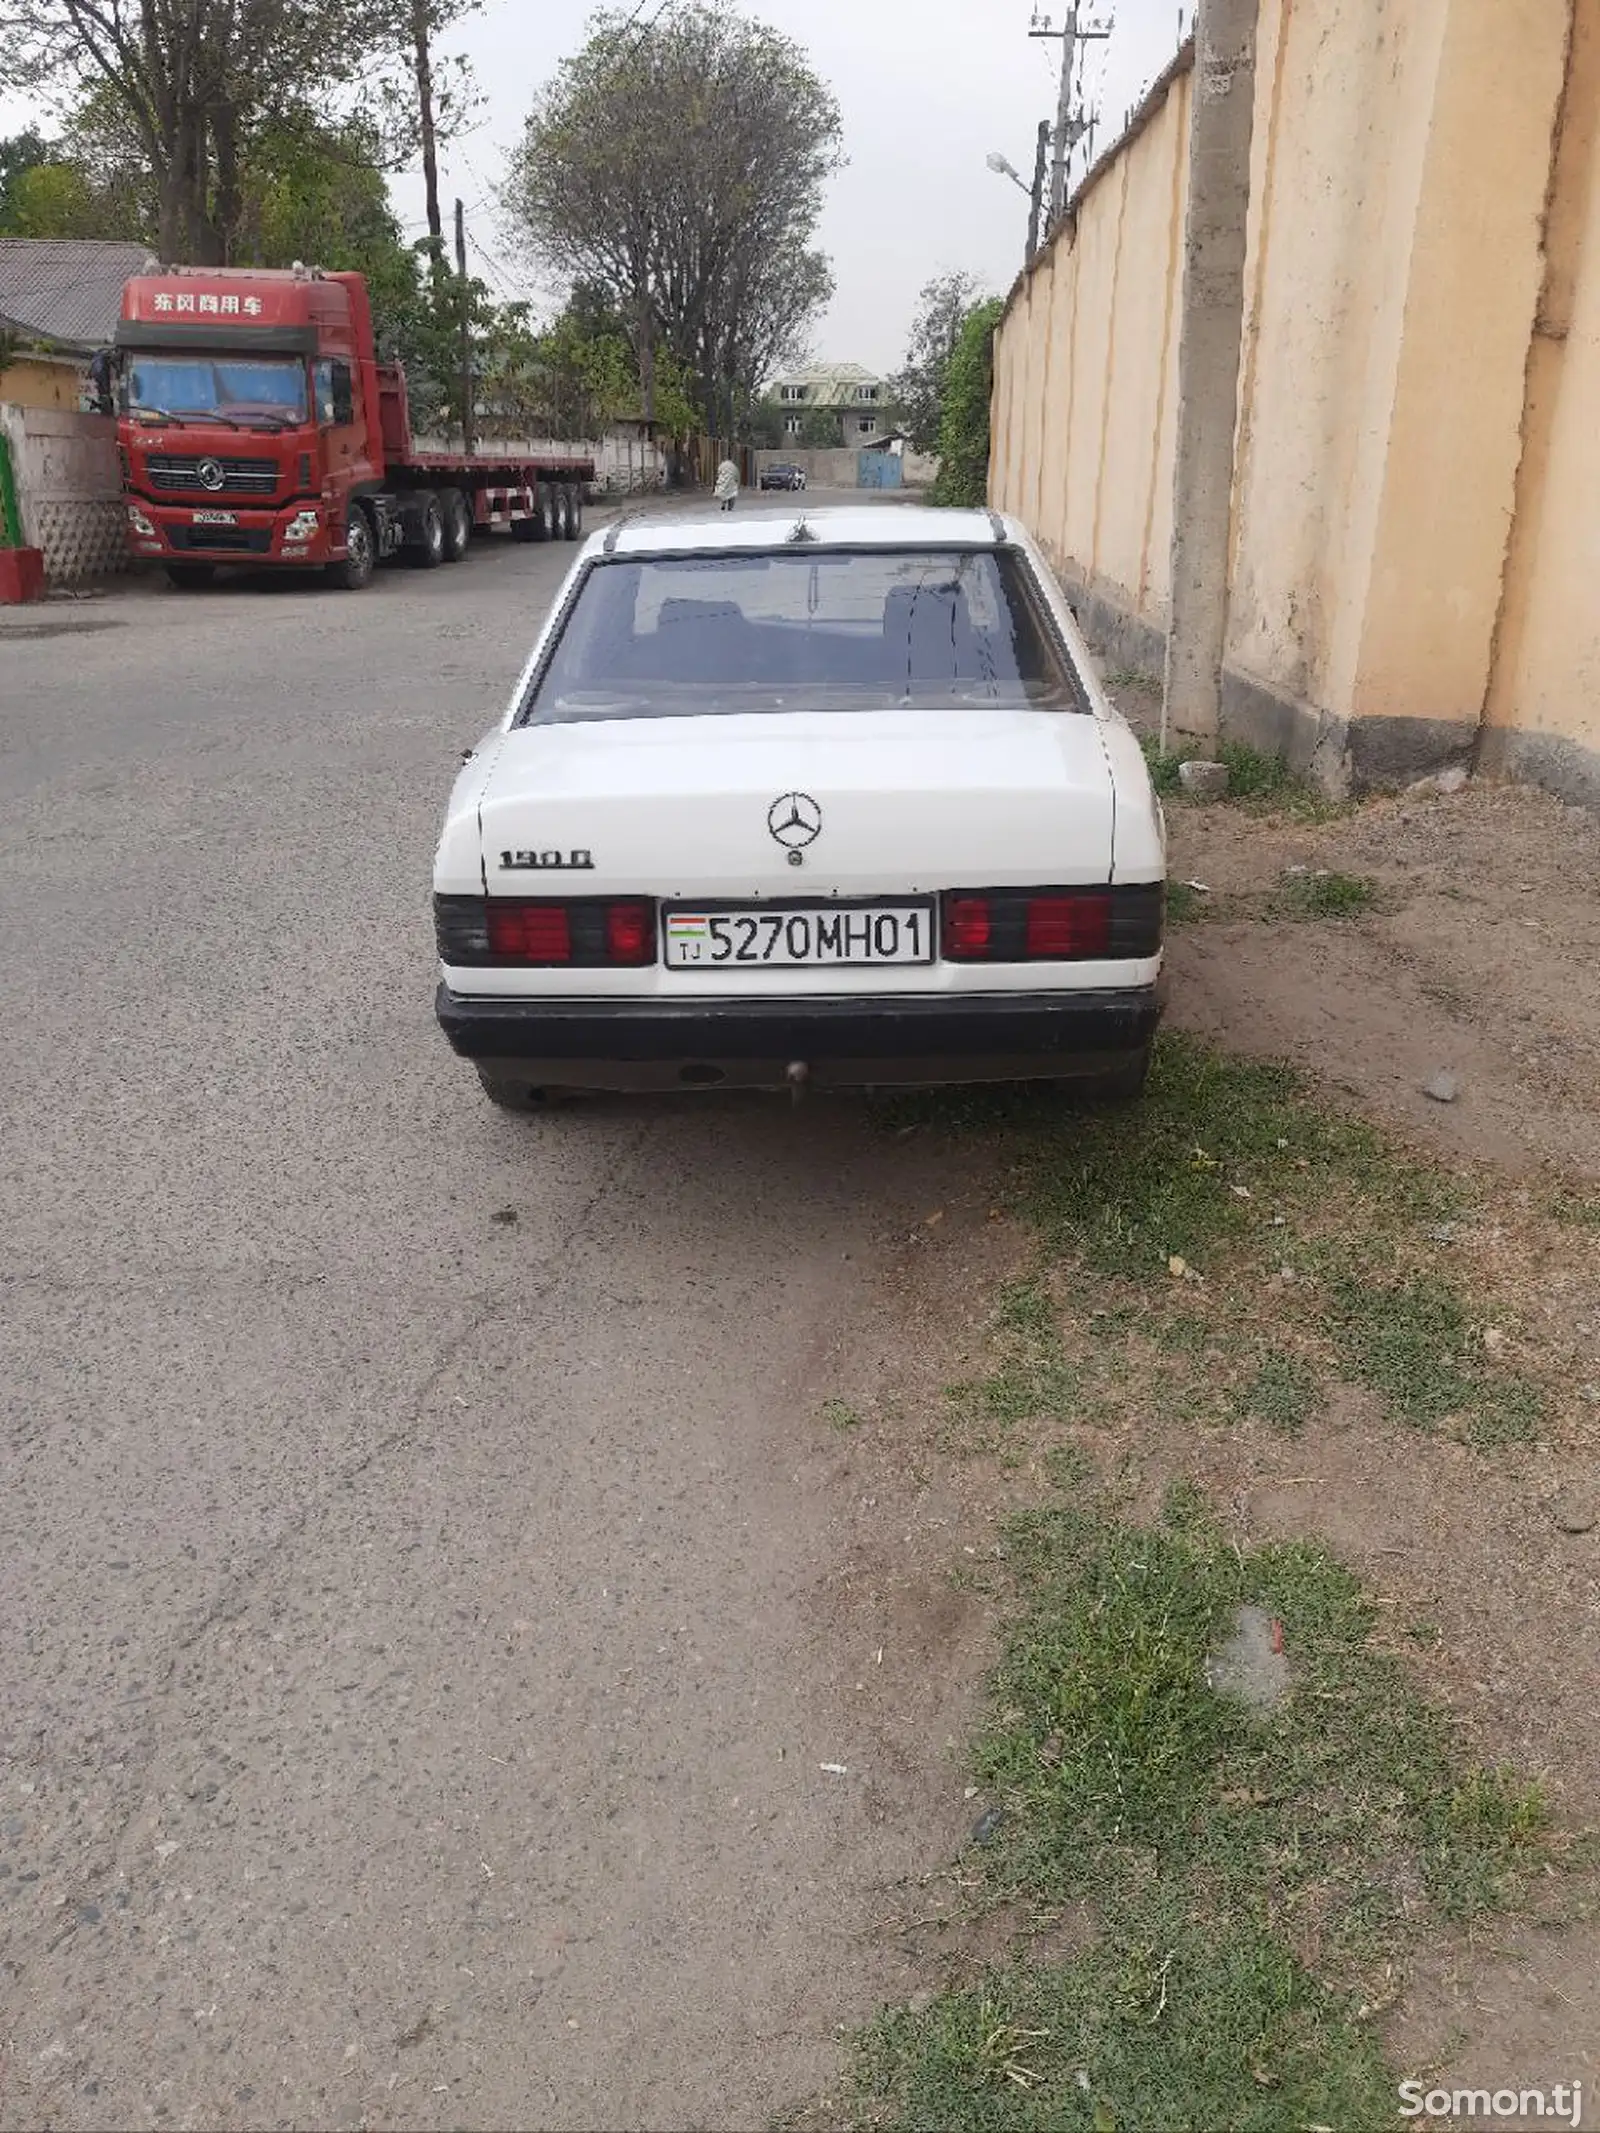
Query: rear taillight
{"x": 1053, "y": 925}
{"x": 514, "y": 932}
{"x": 1062, "y": 929}
{"x": 630, "y": 933}
{"x": 530, "y": 933}
{"x": 967, "y": 927}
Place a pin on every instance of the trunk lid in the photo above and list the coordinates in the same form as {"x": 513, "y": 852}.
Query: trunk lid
{"x": 871, "y": 801}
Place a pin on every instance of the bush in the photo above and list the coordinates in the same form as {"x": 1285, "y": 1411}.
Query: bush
{"x": 964, "y": 419}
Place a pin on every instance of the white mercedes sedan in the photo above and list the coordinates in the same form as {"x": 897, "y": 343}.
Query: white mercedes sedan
{"x": 828, "y": 798}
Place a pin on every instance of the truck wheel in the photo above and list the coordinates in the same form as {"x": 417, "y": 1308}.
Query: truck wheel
{"x": 548, "y": 522}
{"x": 425, "y": 549}
{"x": 562, "y": 509}
{"x": 191, "y": 577}
{"x": 574, "y": 514}
{"x": 361, "y": 554}
{"x": 457, "y": 514}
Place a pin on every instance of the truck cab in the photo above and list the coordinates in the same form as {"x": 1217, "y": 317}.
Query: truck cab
{"x": 249, "y": 417}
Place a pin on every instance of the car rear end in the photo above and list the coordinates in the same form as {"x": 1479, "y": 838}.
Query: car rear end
{"x": 847, "y": 815}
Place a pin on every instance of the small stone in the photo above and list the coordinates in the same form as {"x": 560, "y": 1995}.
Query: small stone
{"x": 920, "y": 2002}
{"x": 1204, "y": 781}
{"x": 1251, "y": 1666}
{"x": 1451, "y": 780}
{"x": 1050, "y": 1749}
{"x": 1444, "y": 1087}
{"x": 1575, "y": 1509}
{"x": 987, "y": 1826}
{"x": 506, "y": 1215}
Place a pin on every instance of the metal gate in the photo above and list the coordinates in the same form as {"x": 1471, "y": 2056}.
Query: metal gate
{"x": 878, "y": 470}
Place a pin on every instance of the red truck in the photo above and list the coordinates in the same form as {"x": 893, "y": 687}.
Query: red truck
{"x": 258, "y": 427}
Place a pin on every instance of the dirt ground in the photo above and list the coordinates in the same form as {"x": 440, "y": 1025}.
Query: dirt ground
{"x": 1481, "y": 958}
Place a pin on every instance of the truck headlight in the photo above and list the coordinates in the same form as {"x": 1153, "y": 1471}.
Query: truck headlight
{"x": 303, "y": 526}
{"x": 140, "y": 524}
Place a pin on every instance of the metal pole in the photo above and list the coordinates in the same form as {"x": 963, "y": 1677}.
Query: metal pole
{"x": 1063, "y": 138}
{"x": 469, "y": 427}
{"x": 1036, "y": 207}
{"x": 1209, "y": 352}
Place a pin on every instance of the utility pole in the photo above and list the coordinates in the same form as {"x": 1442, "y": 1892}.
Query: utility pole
{"x": 1071, "y": 124}
{"x": 1036, "y": 198}
{"x": 1209, "y": 353}
{"x": 469, "y": 427}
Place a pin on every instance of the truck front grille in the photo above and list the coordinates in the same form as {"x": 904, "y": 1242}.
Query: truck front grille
{"x": 254, "y": 477}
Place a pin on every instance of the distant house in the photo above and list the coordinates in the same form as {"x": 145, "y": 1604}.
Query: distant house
{"x": 833, "y": 404}
{"x": 59, "y": 300}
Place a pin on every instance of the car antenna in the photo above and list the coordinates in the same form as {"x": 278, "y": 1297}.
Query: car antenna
{"x": 998, "y": 523}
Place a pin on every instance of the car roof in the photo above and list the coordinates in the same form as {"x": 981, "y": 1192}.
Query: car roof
{"x": 702, "y": 532}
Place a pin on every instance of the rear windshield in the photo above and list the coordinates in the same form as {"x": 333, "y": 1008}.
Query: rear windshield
{"x": 844, "y": 629}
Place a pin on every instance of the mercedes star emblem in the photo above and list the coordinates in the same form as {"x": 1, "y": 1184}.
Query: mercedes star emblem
{"x": 209, "y": 474}
{"x": 796, "y": 821}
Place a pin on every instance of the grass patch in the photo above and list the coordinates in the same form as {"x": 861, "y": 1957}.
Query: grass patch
{"x": 1285, "y": 1393}
{"x": 1261, "y": 1241}
{"x": 1412, "y": 1342}
{"x": 841, "y": 1416}
{"x": 1184, "y": 904}
{"x": 1323, "y": 895}
{"x": 1260, "y": 782}
{"x": 1251, "y": 1876}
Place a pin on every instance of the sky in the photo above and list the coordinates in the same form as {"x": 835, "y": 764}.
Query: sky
{"x": 927, "y": 89}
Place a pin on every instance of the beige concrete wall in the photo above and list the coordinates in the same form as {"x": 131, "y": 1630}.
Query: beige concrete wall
{"x": 1544, "y": 701}
{"x": 1414, "y": 528}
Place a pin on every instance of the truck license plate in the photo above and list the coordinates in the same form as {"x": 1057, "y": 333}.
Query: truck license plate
{"x": 216, "y": 518}
{"x": 790, "y": 938}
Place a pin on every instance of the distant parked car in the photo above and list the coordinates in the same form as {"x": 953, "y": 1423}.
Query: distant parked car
{"x": 783, "y": 477}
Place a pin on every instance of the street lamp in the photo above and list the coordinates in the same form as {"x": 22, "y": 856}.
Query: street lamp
{"x": 1003, "y": 168}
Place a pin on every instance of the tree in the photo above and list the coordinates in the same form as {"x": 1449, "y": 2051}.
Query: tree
{"x": 963, "y": 439}
{"x": 194, "y": 84}
{"x": 942, "y": 310}
{"x": 680, "y": 169}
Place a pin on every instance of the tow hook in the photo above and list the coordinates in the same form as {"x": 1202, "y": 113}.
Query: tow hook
{"x": 799, "y": 1074}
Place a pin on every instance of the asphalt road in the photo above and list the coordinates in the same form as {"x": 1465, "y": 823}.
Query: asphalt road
{"x": 417, "y": 1542}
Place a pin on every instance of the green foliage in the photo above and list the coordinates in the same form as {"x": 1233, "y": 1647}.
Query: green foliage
{"x": 919, "y": 386}
{"x": 963, "y": 476}
{"x": 1324, "y": 895}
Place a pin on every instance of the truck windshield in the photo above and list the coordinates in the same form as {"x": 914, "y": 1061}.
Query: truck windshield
{"x": 270, "y": 390}
{"x": 837, "y": 629}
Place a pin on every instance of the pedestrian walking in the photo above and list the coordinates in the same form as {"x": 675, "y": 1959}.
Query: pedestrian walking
{"x": 727, "y": 489}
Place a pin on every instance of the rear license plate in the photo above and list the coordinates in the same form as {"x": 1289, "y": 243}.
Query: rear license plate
{"x": 816, "y": 937}
{"x": 216, "y": 518}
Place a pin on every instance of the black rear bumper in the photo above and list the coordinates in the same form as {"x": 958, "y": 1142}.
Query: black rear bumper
{"x": 990, "y": 1036}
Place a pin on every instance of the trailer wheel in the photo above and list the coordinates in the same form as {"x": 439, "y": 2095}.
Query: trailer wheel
{"x": 547, "y": 519}
{"x": 361, "y": 554}
{"x": 575, "y": 514}
{"x": 457, "y": 514}
{"x": 425, "y": 549}
{"x": 191, "y": 577}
